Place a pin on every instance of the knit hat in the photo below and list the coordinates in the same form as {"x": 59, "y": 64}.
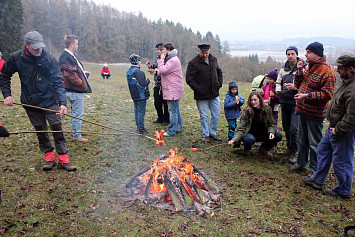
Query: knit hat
{"x": 292, "y": 48}
{"x": 159, "y": 46}
{"x": 272, "y": 74}
{"x": 232, "y": 85}
{"x": 316, "y": 48}
{"x": 134, "y": 59}
{"x": 105, "y": 65}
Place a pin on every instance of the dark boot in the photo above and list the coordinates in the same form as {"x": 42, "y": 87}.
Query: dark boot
{"x": 66, "y": 166}
{"x": 49, "y": 165}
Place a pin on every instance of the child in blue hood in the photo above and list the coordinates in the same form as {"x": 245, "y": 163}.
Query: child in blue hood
{"x": 232, "y": 103}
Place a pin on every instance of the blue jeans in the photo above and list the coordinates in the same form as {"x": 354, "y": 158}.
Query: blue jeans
{"x": 309, "y": 136}
{"x": 139, "y": 112}
{"x": 175, "y": 123}
{"x": 250, "y": 139}
{"x": 204, "y": 106}
{"x": 290, "y": 126}
{"x": 339, "y": 150}
{"x": 76, "y": 109}
{"x": 232, "y": 124}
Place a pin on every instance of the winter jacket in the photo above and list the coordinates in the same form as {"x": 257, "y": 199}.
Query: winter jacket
{"x": 341, "y": 110}
{"x": 41, "y": 80}
{"x": 170, "y": 72}
{"x": 74, "y": 77}
{"x": 105, "y": 70}
{"x": 271, "y": 100}
{"x": 205, "y": 79}
{"x": 137, "y": 83}
{"x": 318, "y": 81}
{"x": 231, "y": 109}
{"x": 246, "y": 121}
{"x": 2, "y": 62}
{"x": 286, "y": 75}
{"x": 157, "y": 79}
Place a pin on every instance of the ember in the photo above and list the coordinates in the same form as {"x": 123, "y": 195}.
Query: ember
{"x": 173, "y": 182}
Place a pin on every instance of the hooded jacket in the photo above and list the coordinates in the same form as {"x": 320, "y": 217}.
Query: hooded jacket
{"x": 170, "y": 72}
{"x": 205, "y": 79}
{"x": 231, "y": 109}
{"x": 41, "y": 80}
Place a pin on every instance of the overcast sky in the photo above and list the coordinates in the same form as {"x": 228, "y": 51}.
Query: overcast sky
{"x": 251, "y": 19}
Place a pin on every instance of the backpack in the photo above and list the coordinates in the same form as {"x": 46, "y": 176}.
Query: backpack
{"x": 258, "y": 82}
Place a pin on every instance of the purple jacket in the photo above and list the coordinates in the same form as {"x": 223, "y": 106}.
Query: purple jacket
{"x": 172, "y": 82}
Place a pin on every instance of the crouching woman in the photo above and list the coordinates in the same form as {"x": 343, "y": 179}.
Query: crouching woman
{"x": 257, "y": 124}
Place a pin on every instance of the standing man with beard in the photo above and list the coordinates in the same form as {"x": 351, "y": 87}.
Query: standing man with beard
{"x": 315, "y": 83}
{"x": 337, "y": 145}
{"x": 205, "y": 78}
{"x": 75, "y": 82}
{"x": 286, "y": 91}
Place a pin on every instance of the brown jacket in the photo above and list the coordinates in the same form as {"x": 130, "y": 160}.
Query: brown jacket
{"x": 74, "y": 78}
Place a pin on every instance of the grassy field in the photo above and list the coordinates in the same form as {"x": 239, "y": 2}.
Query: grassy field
{"x": 260, "y": 197}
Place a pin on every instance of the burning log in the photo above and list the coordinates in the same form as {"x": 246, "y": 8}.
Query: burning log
{"x": 212, "y": 185}
{"x": 173, "y": 182}
{"x": 173, "y": 194}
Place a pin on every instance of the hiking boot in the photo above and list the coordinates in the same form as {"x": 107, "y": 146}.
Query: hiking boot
{"x": 165, "y": 123}
{"x": 265, "y": 152}
{"x": 292, "y": 159}
{"x": 157, "y": 121}
{"x": 216, "y": 138}
{"x": 49, "y": 165}
{"x": 297, "y": 169}
{"x": 332, "y": 193}
{"x": 206, "y": 139}
{"x": 81, "y": 140}
{"x": 307, "y": 179}
{"x": 142, "y": 131}
{"x": 66, "y": 166}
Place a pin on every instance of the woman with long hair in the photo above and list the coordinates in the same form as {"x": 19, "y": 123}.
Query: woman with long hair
{"x": 257, "y": 124}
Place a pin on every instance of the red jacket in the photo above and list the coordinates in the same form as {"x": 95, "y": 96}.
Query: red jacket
{"x": 105, "y": 70}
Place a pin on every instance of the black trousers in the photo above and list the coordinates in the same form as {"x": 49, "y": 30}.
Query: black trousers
{"x": 38, "y": 119}
{"x": 161, "y": 106}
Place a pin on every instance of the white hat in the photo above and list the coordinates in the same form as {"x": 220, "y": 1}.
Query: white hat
{"x": 105, "y": 65}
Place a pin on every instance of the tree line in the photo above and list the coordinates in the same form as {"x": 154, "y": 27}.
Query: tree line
{"x": 109, "y": 35}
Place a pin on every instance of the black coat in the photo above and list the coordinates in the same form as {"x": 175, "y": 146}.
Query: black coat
{"x": 204, "y": 79}
{"x": 41, "y": 80}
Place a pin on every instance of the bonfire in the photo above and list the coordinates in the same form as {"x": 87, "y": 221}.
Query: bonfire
{"x": 173, "y": 182}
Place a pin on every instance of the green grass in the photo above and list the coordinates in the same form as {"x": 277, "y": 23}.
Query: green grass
{"x": 260, "y": 197}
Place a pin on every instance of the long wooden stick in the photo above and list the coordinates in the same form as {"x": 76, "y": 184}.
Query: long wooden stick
{"x": 85, "y": 120}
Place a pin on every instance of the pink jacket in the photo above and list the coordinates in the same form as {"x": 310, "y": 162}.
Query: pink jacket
{"x": 172, "y": 82}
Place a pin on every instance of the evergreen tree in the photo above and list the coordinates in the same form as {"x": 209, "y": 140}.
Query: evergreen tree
{"x": 11, "y": 22}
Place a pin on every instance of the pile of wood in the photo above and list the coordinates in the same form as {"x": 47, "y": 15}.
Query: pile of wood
{"x": 174, "y": 183}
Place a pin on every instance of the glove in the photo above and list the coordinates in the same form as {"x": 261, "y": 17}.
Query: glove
{"x": 4, "y": 132}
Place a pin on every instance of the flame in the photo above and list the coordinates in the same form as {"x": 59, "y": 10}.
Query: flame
{"x": 179, "y": 165}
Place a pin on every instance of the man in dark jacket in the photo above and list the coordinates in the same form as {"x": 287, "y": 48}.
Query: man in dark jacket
{"x": 204, "y": 76}
{"x": 337, "y": 145}
{"x": 41, "y": 86}
{"x": 75, "y": 83}
{"x": 286, "y": 91}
